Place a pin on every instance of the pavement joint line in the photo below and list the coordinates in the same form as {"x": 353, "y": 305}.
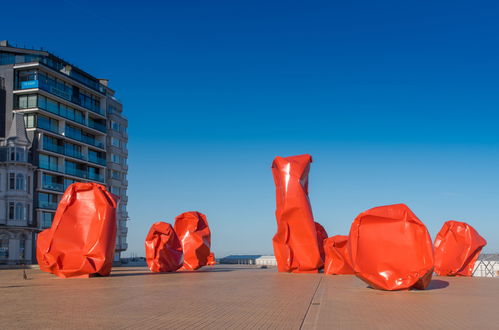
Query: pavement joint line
{"x": 310, "y": 303}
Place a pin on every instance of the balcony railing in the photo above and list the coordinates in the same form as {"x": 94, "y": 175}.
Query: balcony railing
{"x": 84, "y": 174}
{"x": 53, "y": 147}
{"x": 74, "y": 153}
{"x": 97, "y": 160}
{"x": 84, "y": 139}
{"x": 53, "y": 186}
{"x": 47, "y": 166}
{"x": 47, "y": 126}
{"x": 47, "y": 205}
{"x": 97, "y": 126}
{"x": 96, "y": 177}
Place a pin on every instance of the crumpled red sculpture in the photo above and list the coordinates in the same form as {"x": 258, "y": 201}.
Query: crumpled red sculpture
{"x": 457, "y": 247}
{"x": 194, "y": 234}
{"x": 163, "y": 248}
{"x": 82, "y": 239}
{"x": 211, "y": 260}
{"x": 337, "y": 256}
{"x": 295, "y": 244}
{"x": 321, "y": 236}
{"x": 391, "y": 248}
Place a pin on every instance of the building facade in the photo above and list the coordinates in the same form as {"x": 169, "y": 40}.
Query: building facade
{"x": 75, "y": 128}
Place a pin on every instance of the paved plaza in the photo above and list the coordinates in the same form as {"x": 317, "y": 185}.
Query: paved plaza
{"x": 240, "y": 297}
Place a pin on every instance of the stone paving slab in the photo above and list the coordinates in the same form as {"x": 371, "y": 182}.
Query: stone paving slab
{"x": 239, "y": 297}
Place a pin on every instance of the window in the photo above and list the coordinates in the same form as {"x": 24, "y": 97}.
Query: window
{"x": 116, "y": 175}
{"x": 20, "y": 154}
{"x": 47, "y": 201}
{"x": 115, "y": 190}
{"x": 20, "y": 182}
{"x": 12, "y": 181}
{"x": 29, "y": 120}
{"x": 27, "y": 101}
{"x": 115, "y": 142}
{"x": 115, "y": 159}
{"x": 12, "y": 153}
{"x": 47, "y": 218}
{"x": 10, "y": 211}
{"x": 49, "y": 162}
{"x": 115, "y": 125}
{"x": 19, "y": 211}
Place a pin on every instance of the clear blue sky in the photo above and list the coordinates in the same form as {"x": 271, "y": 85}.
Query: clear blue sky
{"x": 397, "y": 101}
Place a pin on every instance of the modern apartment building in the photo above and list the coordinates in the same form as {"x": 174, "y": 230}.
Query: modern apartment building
{"x": 75, "y": 132}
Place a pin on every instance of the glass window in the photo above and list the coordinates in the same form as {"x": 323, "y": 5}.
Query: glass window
{"x": 32, "y": 101}
{"x": 23, "y": 102}
{"x": 115, "y": 142}
{"x": 47, "y": 218}
{"x": 12, "y": 181}
{"x": 20, "y": 154}
{"x": 19, "y": 211}
{"x": 20, "y": 182}
{"x": 52, "y": 106}
{"x": 49, "y": 162}
{"x": 11, "y": 210}
{"x": 115, "y": 159}
{"x": 29, "y": 120}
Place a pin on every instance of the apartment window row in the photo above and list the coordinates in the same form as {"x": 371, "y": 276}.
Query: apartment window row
{"x": 19, "y": 181}
{"x": 35, "y": 78}
{"x": 84, "y": 171}
{"x": 42, "y": 102}
{"x": 18, "y": 211}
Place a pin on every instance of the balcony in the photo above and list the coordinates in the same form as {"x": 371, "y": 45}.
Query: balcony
{"x": 47, "y": 205}
{"x": 97, "y": 126}
{"x": 76, "y": 172}
{"x": 48, "y": 166}
{"x": 96, "y": 177}
{"x": 97, "y": 160}
{"x": 83, "y": 138}
{"x": 47, "y": 126}
{"x": 53, "y": 147}
{"x": 73, "y": 153}
{"x": 53, "y": 186}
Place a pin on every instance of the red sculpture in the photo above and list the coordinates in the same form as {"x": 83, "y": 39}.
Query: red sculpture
{"x": 391, "y": 249}
{"x": 321, "y": 236}
{"x": 82, "y": 239}
{"x": 295, "y": 244}
{"x": 337, "y": 256}
{"x": 194, "y": 234}
{"x": 457, "y": 247}
{"x": 163, "y": 248}
{"x": 211, "y": 260}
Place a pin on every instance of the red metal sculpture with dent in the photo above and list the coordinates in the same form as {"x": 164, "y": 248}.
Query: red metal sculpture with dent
{"x": 194, "y": 234}
{"x": 295, "y": 244}
{"x": 163, "y": 248}
{"x": 337, "y": 256}
{"x": 391, "y": 248}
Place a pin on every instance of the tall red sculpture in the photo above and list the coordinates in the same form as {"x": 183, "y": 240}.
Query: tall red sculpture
{"x": 295, "y": 244}
{"x": 337, "y": 256}
{"x": 391, "y": 248}
{"x": 321, "y": 236}
{"x": 82, "y": 239}
{"x": 194, "y": 234}
{"x": 163, "y": 248}
{"x": 457, "y": 247}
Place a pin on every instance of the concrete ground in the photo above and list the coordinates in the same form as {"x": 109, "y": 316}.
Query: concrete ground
{"x": 238, "y": 297}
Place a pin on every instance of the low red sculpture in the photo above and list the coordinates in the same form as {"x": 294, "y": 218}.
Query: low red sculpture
{"x": 337, "y": 256}
{"x": 82, "y": 239}
{"x": 194, "y": 234}
{"x": 295, "y": 244}
{"x": 163, "y": 248}
{"x": 391, "y": 248}
{"x": 457, "y": 247}
{"x": 211, "y": 260}
{"x": 321, "y": 236}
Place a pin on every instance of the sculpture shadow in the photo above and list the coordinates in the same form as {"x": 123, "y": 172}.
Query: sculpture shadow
{"x": 437, "y": 284}
{"x": 148, "y": 273}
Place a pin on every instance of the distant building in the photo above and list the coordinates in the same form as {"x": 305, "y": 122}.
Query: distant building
{"x": 17, "y": 230}
{"x": 76, "y": 131}
{"x": 253, "y": 259}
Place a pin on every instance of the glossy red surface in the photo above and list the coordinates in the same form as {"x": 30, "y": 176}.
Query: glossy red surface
{"x": 337, "y": 256}
{"x": 295, "y": 244}
{"x": 82, "y": 239}
{"x": 321, "y": 236}
{"x": 457, "y": 247}
{"x": 211, "y": 260}
{"x": 391, "y": 248}
{"x": 163, "y": 248}
{"x": 195, "y": 236}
